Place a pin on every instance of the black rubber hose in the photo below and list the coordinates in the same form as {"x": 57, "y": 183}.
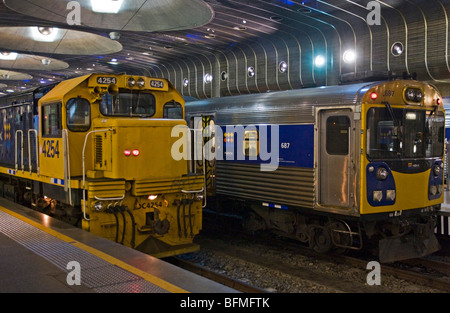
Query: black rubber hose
{"x": 124, "y": 224}
{"x": 178, "y": 219}
{"x": 133, "y": 229}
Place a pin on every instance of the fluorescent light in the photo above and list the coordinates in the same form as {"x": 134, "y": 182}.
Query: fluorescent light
{"x": 8, "y": 56}
{"x": 106, "y": 6}
{"x": 49, "y": 35}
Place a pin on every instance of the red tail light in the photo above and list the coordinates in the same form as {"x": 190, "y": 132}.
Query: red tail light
{"x": 136, "y": 152}
{"x": 127, "y": 152}
{"x": 373, "y": 96}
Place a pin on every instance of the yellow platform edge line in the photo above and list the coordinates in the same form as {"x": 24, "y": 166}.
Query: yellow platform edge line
{"x": 148, "y": 277}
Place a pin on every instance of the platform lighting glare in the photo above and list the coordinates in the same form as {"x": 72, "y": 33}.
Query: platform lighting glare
{"x": 319, "y": 61}
{"x": 106, "y": 6}
{"x": 8, "y": 56}
{"x": 349, "y": 56}
{"x": 44, "y": 34}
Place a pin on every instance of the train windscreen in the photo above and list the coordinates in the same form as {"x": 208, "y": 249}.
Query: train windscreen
{"x": 136, "y": 104}
{"x": 404, "y": 133}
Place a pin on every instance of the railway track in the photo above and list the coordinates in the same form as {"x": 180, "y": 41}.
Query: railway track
{"x": 424, "y": 272}
{"x": 214, "y": 276}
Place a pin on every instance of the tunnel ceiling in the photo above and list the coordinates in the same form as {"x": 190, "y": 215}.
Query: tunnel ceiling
{"x": 223, "y": 47}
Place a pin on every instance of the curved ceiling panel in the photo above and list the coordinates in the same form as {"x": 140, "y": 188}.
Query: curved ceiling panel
{"x": 136, "y": 15}
{"x": 17, "y": 61}
{"x": 11, "y": 75}
{"x": 55, "y": 41}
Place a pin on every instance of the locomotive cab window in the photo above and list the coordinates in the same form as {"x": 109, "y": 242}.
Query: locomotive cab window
{"x": 78, "y": 115}
{"x": 51, "y": 120}
{"x": 173, "y": 110}
{"x": 337, "y": 135}
{"x": 130, "y": 104}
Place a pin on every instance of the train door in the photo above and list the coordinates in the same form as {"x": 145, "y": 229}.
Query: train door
{"x": 334, "y": 168}
{"x": 50, "y": 142}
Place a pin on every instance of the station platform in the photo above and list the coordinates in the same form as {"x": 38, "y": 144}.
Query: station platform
{"x": 39, "y": 254}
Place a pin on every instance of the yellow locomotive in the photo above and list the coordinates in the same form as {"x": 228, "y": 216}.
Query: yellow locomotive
{"x": 96, "y": 151}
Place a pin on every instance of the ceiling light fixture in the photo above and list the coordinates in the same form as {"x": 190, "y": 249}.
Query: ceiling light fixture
{"x": 44, "y": 34}
{"x": 282, "y": 67}
{"x": 46, "y": 61}
{"x": 106, "y": 6}
{"x": 397, "y": 49}
{"x": 349, "y": 56}
{"x": 319, "y": 61}
{"x": 114, "y": 35}
{"x": 8, "y": 56}
{"x": 46, "y": 31}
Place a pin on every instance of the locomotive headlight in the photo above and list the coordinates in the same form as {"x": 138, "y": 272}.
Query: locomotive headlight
{"x": 131, "y": 82}
{"x": 414, "y": 95}
{"x": 382, "y": 173}
{"x": 390, "y": 195}
{"x": 152, "y": 197}
{"x": 377, "y": 195}
{"x": 141, "y": 82}
{"x": 436, "y": 169}
{"x": 410, "y": 94}
{"x": 439, "y": 188}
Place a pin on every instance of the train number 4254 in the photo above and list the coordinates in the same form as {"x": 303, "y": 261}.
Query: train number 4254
{"x": 50, "y": 149}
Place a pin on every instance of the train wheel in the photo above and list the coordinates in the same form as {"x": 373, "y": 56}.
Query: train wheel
{"x": 320, "y": 240}
{"x": 340, "y": 235}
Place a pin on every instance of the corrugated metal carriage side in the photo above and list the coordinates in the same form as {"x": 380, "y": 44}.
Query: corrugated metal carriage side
{"x": 324, "y": 191}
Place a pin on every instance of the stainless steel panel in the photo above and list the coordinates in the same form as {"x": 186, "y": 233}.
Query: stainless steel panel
{"x": 286, "y": 185}
{"x": 335, "y": 177}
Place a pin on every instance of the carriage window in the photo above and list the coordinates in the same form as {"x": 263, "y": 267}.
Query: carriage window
{"x": 338, "y": 135}
{"x": 251, "y": 143}
{"x": 51, "y": 120}
{"x": 173, "y": 110}
{"x": 78, "y": 115}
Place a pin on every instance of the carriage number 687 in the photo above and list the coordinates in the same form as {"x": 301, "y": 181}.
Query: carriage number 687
{"x": 285, "y": 145}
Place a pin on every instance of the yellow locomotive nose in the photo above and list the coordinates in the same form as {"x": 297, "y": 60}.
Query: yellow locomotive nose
{"x": 136, "y": 149}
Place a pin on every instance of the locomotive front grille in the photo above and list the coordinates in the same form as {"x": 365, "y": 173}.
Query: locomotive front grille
{"x": 98, "y": 151}
{"x": 158, "y": 186}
